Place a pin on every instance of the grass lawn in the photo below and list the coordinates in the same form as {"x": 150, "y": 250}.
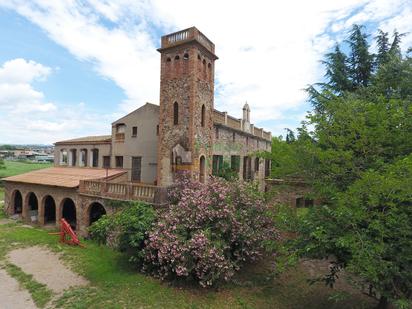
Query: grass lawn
{"x": 116, "y": 284}
{"x": 19, "y": 167}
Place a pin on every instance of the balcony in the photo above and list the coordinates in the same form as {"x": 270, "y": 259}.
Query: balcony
{"x": 124, "y": 191}
{"x": 119, "y": 137}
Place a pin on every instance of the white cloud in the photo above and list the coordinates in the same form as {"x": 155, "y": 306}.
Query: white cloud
{"x": 25, "y": 115}
{"x": 269, "y": 50}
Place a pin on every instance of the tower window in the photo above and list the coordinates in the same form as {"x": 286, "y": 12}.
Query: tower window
{"x": 234, "y": 137}
{"x": 157, "y": 130}
{"x": 209, "y": 65}
{"x": 204, "y": 62}
{"x": 198, "y": 57}
{"x": 175, "y": 113}
{"x": 217, "y": 133}
{"x": 168, "y": 59}
{"x": 202, "y": 120}
{"x": 186, "y": 56}
{"x": 177, "y": 57}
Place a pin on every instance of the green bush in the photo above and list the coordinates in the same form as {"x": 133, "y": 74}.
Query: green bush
{"x": 127, "y": 229}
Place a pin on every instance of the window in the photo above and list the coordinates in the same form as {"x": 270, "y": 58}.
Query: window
{"x": 257, "y": 164}
{"x": 202, "y": 116}
{"x": 234, "y": 137}
{"x": 134, "y": 131}
{"x": 217, "y": 164}
{"x": 120, "y": 128}
{"x": 247, "y": 140}
{"x": 106, "y": 161}
{"x": 186, "y": 56}
{"x": 95, "y": 157}
{"x": 235, "y": 163}
{"x": 157, "y": 130}
{"x": 168, "y": 59}
{"x": 304, "y": 202}
{"x": 217, "y": 133}
{"x": 267, "y": 168}
{"x": 119, "y": 161}
{"x": 175, "y": 113}
{"x": 177, "y": 57}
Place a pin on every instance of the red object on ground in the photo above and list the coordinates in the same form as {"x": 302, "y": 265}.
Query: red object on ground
{"x": 67, "y": 235}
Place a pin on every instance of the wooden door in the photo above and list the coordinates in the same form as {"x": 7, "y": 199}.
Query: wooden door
{"x": 136, "y": 168}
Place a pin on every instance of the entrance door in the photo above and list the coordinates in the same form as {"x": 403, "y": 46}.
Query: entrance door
{"x": 136, "y": 168}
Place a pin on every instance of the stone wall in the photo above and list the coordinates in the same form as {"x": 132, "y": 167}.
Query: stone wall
{"x": 292, "y": 193}
{"x": 228, "y": 142}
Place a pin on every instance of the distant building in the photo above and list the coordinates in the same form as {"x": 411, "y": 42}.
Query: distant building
{"x": 147, "y": 148}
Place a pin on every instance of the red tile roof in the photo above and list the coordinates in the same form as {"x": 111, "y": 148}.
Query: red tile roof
{"x": 68, "y": 177}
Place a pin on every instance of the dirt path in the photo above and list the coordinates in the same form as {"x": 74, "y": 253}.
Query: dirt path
{"x": 11, "y": 295}
{"x": 46, "y": 268}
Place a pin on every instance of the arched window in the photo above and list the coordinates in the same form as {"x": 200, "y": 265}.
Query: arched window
{"x": 177, "y": 57}
{"x": 202, "y": 118}
{"x": 175, "y": 113}
{"x": 168, "y": 59}
{"x": 186, "y": 56}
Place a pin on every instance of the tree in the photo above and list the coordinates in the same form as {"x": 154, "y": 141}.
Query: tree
{"x": 337, "y": 71}
{"x": 357, "y": 157}
{"x": 368, "y": 233}
{"x": 382, "y": 41}
{"x": 360, "y": 60}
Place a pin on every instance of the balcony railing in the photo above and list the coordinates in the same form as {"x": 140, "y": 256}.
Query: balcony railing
{"x": 119, "y": 137}
{"x": 124, "y": 191}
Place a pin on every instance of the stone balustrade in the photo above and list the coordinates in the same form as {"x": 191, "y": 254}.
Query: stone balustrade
{"x": 124, "y": 191}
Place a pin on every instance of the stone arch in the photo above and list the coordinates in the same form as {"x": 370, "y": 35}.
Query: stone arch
{"x": 49, "y": 210}
{"x": 96, "y": 211}
{"x": 32, "y": 201}
{"x": 31, "y": 207}
{"x": 17, "y": 202}
{"x": 68, "y": 212}
{"x": 202, "y": 169}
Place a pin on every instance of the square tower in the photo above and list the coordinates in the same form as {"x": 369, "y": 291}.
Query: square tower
{"x": 186, "y": 105}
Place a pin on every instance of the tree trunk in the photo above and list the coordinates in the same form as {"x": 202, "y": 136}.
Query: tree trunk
{"x": 383, "y": 303}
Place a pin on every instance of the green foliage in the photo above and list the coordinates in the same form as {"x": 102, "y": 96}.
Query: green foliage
{"x": 127, "y": 229}
{"x": 2, "y": 166}
{"x": 358, "y": 160}
{"x": 369, "y": 231}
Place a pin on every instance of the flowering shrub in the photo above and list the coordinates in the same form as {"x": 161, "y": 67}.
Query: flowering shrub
{"x": 209, "y": 231}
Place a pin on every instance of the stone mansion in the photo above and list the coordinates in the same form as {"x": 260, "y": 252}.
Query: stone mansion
{"x": 147, "y": 148}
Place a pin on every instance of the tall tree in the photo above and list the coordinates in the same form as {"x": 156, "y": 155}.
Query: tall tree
{"x": 382, "y": 41}
{"x": 337, "y": 71}
{"x": 360, "y": 60}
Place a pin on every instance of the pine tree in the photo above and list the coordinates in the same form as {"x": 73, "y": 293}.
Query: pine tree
{"x": 337, "y": 71}
{"x": 360, "y": 60}
{"x": 382, "y": 40}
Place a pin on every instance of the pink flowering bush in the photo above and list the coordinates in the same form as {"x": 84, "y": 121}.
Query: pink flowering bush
{"x": 209, "y": 231}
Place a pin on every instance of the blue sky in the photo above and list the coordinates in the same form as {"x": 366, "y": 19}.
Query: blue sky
{"x": 70, "y": 68}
